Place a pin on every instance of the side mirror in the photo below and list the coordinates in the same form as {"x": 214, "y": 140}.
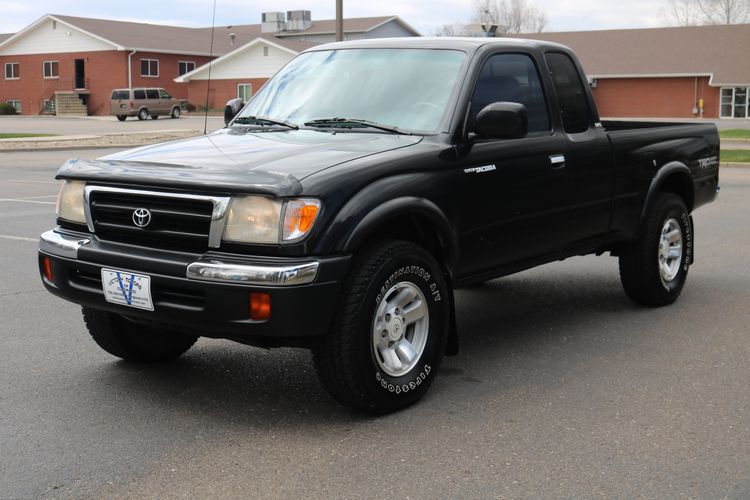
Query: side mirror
{"x": 233, "y": 107}
{"x": 502, "y": 120}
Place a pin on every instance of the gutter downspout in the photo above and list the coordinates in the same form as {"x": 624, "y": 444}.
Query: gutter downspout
{"x": 130, "y": 70}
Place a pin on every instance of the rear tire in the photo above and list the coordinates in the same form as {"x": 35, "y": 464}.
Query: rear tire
{"x": 143, "y": 114}
{"x": 175, "y": 112}
{"x": 654, "y": 268}
{"x": 132, "y": 341}
{"x": 389, "y": 331}
{"x": 121, "y": 117}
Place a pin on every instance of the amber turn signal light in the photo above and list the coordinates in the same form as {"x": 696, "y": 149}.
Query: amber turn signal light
{"x": 47, "y": 268}
{"x": 260, "y": 306}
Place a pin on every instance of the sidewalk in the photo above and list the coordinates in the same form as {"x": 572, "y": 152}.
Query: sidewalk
{"x": 128, "y": 139}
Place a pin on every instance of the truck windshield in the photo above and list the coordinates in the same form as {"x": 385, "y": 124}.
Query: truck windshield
{"x": 407, "y": 89}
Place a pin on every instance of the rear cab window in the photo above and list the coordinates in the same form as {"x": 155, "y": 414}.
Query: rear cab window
{"x": 571, "y": 95}
{"x": 120, "y": 94}
{"x": 512, "y": 78}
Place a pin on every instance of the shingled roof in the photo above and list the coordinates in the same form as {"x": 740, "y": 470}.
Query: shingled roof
{"x": 717, "y": 51}
{"x": 127, "y": 35}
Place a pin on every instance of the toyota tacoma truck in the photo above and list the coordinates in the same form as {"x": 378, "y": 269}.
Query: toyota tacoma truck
{"x": 343, "y": 205}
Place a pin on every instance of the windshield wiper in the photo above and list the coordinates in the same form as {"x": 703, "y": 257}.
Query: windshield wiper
{"x": 353, "y": 122}
{"x": 262, "y": 120}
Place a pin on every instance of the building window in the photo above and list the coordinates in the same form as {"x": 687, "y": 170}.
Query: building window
{"x": 265, "y": 51}
{"x": 150, "y": 68}
{"x": 15, "y": 103}
{"x": 245, "y": 91}
{"x": 185, "y": 67}
{"x": 51, "y": 69}
{"x": 12, "y": 71}
{"x": 735, "y": 102}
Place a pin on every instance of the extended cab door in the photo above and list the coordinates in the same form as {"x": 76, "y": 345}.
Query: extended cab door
{"x": 524, "y": 200}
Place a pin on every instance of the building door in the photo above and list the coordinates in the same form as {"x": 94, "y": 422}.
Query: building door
{"x": 80, "y": 74}
{"x": 740, "y": 102}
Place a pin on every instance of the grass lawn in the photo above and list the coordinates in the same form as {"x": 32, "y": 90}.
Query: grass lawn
{"x": 735, "y": 133}
{"x": 21, "y": 136}
{"x": 735, "y": 155}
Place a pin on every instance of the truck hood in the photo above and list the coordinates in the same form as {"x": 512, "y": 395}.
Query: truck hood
{"x": 234, "y": 160}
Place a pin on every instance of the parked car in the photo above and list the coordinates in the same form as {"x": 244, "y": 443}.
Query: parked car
{"x": 368, "y": 180}
{"x": 143, "y": 102}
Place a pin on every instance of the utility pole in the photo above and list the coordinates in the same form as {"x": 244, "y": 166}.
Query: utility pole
{"x": 339, "y": 20}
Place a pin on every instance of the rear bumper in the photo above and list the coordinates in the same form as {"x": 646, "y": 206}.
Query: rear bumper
{"x": 203, "y": 293}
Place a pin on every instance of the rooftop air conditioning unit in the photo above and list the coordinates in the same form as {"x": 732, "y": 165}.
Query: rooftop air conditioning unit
{"x": 298, "y": 20}
{"x": 273, "y": 22}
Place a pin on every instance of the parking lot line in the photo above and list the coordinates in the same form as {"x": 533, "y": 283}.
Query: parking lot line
{"x": 18, "y": 238}
{"x": 22, "y": 200}
{"x": 21, "y": 181}
{"x": 37, "y": 197}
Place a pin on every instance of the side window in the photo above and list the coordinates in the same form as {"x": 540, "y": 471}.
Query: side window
{"x": 512, "y": 78}
{"x": 152, "y": 94}
{"x": 574, "y": 106}
{"x": 163, "y": 94}
{"x": 139, "y": 94}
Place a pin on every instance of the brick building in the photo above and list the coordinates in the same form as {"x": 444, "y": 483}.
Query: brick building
{"x": 71, "y": 64}
{"x": 665, "y": 72}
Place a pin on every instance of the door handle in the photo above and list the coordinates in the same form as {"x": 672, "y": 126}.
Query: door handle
{"x": 557, "y": 161}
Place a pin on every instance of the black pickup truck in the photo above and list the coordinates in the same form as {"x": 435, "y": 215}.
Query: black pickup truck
{"x": 364, "y": 183}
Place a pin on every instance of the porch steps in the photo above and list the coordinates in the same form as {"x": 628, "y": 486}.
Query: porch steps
{"x": 70, "y": 104}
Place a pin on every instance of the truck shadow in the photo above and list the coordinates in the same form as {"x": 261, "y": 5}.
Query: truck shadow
{"x": 508, "y": 328}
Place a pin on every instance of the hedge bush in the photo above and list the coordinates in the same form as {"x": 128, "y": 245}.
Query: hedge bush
{"x": 7, "y": 109}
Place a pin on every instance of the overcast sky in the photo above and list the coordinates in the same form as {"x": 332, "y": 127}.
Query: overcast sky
{"x": 424, "y": 15}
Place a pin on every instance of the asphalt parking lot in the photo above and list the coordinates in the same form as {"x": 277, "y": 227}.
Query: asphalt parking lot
{"x": 563, "y": 388}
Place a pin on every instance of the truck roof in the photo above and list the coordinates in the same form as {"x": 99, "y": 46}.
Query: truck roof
{"x": 455, "y": 43}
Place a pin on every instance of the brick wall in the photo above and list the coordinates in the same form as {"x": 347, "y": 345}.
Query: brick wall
{"x": 655, "y": 97}
{"x": 220, "y": 91}
{"x": 104, "y": 71}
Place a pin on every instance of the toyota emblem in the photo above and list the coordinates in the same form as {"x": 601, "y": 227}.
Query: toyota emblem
{"x": 141, "y": 217}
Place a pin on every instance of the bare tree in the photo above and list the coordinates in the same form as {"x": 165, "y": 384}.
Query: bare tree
{"x": 453, "y": 29}
{"x": 725, "y": 11}
{"x": 510, "y": 16}
{"x": 695, "y": 12}
{"x": 680, "y": 13}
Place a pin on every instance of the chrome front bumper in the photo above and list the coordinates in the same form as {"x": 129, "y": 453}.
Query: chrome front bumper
{"x": 274, "y": 275}
{"x": 67, "y": 246}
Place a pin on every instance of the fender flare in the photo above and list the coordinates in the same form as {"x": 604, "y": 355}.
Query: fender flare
{"x": 401, "y": 206}
{"x": 665, "y": 172}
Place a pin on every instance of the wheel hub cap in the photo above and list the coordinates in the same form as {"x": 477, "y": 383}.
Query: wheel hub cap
{"x": 670, "y": 250}
{"x": 400, "y": 329}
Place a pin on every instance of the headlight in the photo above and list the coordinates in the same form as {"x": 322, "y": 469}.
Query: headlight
{"x": 256, "y": 219}
{"x": 70, "y": 202}
{"x": 253, "y": 219}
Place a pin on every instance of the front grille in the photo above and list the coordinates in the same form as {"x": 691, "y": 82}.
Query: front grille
{"x": 175, "y": 223}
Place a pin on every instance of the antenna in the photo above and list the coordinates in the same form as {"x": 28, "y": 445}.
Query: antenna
{"x": 210, "y": 63}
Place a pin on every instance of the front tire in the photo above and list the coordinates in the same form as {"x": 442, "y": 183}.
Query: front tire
{"x": 121, "y": 117}
{"x": 654, "y": 268}
{"x": 132, "y": 341}
{"x": 143, "y": 114}
{"x": 389, "y": 331}
{"x": 175, "y": 113}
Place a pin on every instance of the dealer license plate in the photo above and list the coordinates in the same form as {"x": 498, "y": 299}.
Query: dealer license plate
{"x": 127, "y": 289}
